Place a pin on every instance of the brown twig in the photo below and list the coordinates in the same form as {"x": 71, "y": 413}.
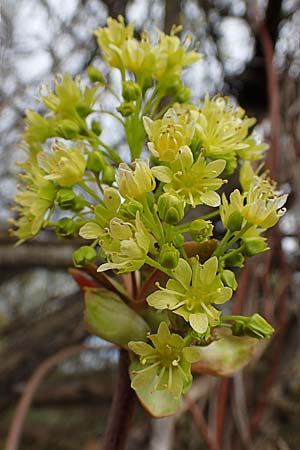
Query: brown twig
{"x": 201, "y": 424}
{"x": 273, "y": 97}
{"x": 121, "y": 409}
{"x": 17, "y": 424}
{"x": 277, "y": 351}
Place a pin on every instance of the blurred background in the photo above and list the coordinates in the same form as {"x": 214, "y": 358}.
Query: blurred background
{"x": 252, "y": 54}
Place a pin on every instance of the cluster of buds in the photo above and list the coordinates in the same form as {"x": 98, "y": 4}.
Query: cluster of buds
{"x": 133, "y": 214}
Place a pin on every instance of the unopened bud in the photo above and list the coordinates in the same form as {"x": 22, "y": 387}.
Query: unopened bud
{"x": 259, "y": 327}
{"x": 170, "y": 208}
{"x": 67, "y": 129}
{"x": 84, "y": 255}
{"x": 83, "y": 109}
{"x": 108, "y": 175}
{"x": 96, "y": 127}
{"x": 95, "y": 161}
{"x": 131, "y": 207}
{"x": 131, "y": 91}
{"x": 66, "y": 199}
{"x": 183, "y": 95}
{"x": 126, "y": 109}
{"x": 66, "y": 227}
{"x": 169, "y": 256}
{"x": 200, "y": 230}
{"x": 95, "y": 75}
{"x": 235, "y": 221}
{"x": 255, "y": 245}
{"x": 235, "y": 260}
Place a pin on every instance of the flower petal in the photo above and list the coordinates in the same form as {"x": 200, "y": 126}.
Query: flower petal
{"x": 199, "y": 322}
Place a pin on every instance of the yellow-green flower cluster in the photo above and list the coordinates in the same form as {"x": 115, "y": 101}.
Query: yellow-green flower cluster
{"x": 34, "y": 201}
{"x": 146, "y": 60}
{"x": 134, "y": 211}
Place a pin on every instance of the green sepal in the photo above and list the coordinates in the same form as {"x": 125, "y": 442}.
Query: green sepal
{"x": 108, "y": 317}
{"x": 235, "y": 221}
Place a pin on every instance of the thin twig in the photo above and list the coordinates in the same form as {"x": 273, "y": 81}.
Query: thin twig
{"x": 121, "y": 410}
{"x": 201, "y": 424}
{"x": 17, "y": 424}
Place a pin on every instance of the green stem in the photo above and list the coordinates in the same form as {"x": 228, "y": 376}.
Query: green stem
{"x": 237, "y": 236}
{"x": 233, "y": 252}
{"x": 210, "y": 215}
{"x": 86, "y": 188}
{"x": 151, "y": 262}
{"x": 226, "y": 237}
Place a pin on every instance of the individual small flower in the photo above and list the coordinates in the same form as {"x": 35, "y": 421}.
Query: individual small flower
{"x": 135, "y": 183}
{"x": 139, "y": 57}
{"x": 68, "y": 98}
{"x": 264, "y": 204}
{"x": 223, "y": 130}
{"x": 111, "y": 39}
{"x": 66, "y": 165}
{"x": 173, "y": 54}
{"x": 168, "y": 134}
{"x": 37, "y": 196}
{"x": 38, "y": 128}
{"x": 170, "y": 208}
{"x": 231, "y": 212}
{"x": 191, "y": 293}
{"x": 197, "y": 182}
{"x": 125, "y": 246}
{"x": 164, "y": 365}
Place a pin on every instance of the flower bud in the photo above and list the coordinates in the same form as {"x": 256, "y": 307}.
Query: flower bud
{"x": 131, "y": 207}
{"x": 135, "y": 183}
{"x": 183, "y": 95}
{"x": 126, "y": 109}
{"x": 228, "y": 278}
{"x": 255, "y": 326}
{"x": 170, "y": 208}
{"x": 66, "y": 227}
{"x": 169, "y": 256}
{"x": 84, "y": 255}
{"x": 83, "y": 109}
{"x": 236, "y": 260}
{"x": 234, "y": 222}
{"x": 96, "y": 127}
{"x": 95, "y": 161}
{"x": 95, "y": 75}
{"x": 67, "y": 129}
{"x": 255, "y": 245}
{"x": 79, "y": 203}
{"x": 200, "y": 230}
{"x": 108, "y": 175}
{"x": 179, "y": 241}
{"x": 66, "y": 199}
{"x": 131, "y": 91}
{"x": 259, "y": 327}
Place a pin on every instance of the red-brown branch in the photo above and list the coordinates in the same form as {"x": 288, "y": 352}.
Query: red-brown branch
{"x": 201, "y": 424}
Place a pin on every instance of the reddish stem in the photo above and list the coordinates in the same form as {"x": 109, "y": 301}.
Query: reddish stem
{"x": 201, "y": 424}
{"x": 220, "y": 414}
{"x": 121, "y": 409}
